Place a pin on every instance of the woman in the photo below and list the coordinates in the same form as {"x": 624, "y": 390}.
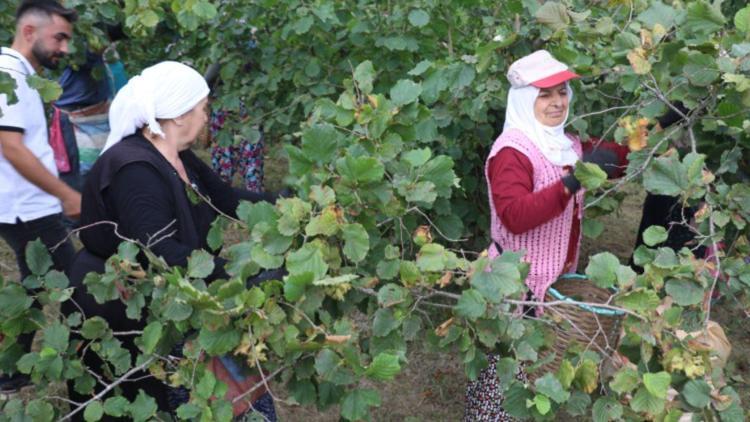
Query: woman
{"x": 140, "y": 183}
{"x": 535, "y": 200}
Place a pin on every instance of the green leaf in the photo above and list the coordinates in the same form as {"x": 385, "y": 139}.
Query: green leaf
{"x": 322, "y": 195}
{"x": 405, "y": 91}
{"x": 308, "y": 259}
{"x": 697, "y": 393}
{"x": 553, "y": 14}
{"x": 392, "y": 294}
{"x": 188, "y": 411}
{"x": 14, "y": 300}
{"x": 265, "y": 259}
{"x": 93, "y": 412}
{"x": 657, "y": 383}
{"x": 356, "y": 241}
{"x": 384, "y": 322}
{"x": 606, "y": 409}
{"x": 420, "y": 68}
{"x": 592, "y": 228}
{"x": 39, "y": 411}
{"x": 431, "y": 257}
{"x": 177, "y": 310}
{"x": 320, "y": 142}
{"x": 639, "y": 300}
{"x": 49, "y": 90}
{"x": 116, "y": 406}
{"x": 587, "y": 376}
{"x": 149, "y": 18}
{"x": 205, "y": 10}
{"x": 654, "y": 235}
{"x": 645, "y": 402}
{"x": 542, "y": 404}
{"x": 205, "y": 387}
{"x": 55, "y": 280}
{"x": 143, "y": 408}
{"x": 625, "y": 380}
{"x": 665, "y": 176}
{"x": 602, "y": 269}
{"x": 94, "y": 327}
{"x": 356, "y": 403}
{"x": 566, "y": 373}
{"x": 590, "y": 175}
{"x": 701, "y": 69}
{"x": 56, "y": 337}
{"x": 703, "y": 18}
{"x": 471, "y": 305}
{"x": 335, "y": 281}
{"x": 200, "y": 264}
{"x": 684, "y": 292}
{"x": 38, "y": 258}
{"x": 419, "y": 18}
{"x": 503, "y": 280}
{"x": 295, "y": 285}
{"x": 417, "y": 157}
{"x": 360, "y": 169}
{"x": 364, "y": 74}
{"x": 551, "y": 387}
{"x": 384, "y": 367}
{"x": 151, "y": 336}
{"x": 326, "y": 223}
{"x": 742, "y": 19}
{"x": 219, "y": 341}
{"x": 578, "y": 404}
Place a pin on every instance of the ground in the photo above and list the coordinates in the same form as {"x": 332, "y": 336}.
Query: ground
{"x": 431, "y": 387}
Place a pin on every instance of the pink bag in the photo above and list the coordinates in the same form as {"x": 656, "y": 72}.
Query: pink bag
{"x": 57, "y": 142}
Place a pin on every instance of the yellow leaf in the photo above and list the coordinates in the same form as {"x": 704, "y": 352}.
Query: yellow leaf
{"x": 637, "y": 59}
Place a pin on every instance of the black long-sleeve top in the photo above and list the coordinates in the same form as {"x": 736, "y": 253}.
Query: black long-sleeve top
{"x": 139, "y": 190}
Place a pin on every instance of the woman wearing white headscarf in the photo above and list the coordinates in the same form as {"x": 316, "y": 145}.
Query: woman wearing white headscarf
{"x": 141, "y": 183}
{"x": 535, "y": 200}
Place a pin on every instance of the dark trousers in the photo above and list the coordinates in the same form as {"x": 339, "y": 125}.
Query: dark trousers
{"x": 51, "y": 231}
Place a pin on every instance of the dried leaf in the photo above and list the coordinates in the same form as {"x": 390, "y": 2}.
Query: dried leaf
{"x": 338, "y": 339}
{"x": 442, "y": 329}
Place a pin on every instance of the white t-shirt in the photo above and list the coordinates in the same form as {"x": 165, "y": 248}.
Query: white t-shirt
{"x": 20, "y": 198}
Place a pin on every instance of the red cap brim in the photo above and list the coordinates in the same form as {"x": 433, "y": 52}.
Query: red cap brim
{"x": 555, "y": 79}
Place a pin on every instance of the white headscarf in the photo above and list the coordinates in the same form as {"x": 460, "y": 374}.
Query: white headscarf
{"x": 551, "y": 141}
{"x": 163, "y": 91}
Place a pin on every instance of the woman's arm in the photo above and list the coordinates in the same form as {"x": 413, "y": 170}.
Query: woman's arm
{"x": 520, "y": 208}
{"x": 142, "y": 205}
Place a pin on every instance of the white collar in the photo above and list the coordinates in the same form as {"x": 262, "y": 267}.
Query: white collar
{"x": 11, "y": 52}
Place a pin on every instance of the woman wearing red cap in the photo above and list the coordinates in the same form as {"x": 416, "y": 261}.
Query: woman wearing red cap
{"x": 535, "y": 199}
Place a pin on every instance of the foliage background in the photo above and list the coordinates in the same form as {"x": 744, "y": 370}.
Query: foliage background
{"x": 387, "y": 110}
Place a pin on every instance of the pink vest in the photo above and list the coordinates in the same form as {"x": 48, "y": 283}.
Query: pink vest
{"x": 546, "y": 246}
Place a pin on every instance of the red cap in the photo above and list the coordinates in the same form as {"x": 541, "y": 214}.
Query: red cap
{"x": 555, "y": 79}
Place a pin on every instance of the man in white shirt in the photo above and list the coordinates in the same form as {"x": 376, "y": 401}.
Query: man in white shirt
{"x": 32, "y": 198}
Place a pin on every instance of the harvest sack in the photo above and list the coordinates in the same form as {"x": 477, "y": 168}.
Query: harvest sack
{"x": 91, "y": 135}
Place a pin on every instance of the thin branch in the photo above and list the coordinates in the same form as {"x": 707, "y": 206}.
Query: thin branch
{"x": 434, "y": 226}
{"x": 109, "y": 388}
{"x": 207, "y": 200}
{"x": 80, "y": 229}
{"x": 260, "y": 384}
{"x": 717, "y": 275}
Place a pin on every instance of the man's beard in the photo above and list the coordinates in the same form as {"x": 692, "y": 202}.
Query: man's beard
{"x": 45, "y": 58}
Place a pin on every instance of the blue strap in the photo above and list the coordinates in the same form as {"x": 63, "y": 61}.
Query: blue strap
{"x": 595, "y": 309}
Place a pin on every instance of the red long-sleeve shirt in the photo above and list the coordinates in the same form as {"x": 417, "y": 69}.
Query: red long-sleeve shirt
{"x": 520, "y": 208}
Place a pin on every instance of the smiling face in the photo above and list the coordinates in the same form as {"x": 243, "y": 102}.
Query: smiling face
{"x": 551, "y": 105}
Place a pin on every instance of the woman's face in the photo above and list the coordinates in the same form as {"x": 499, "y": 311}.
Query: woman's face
{"x": 551, "y": 105}
{"x": 194, "y": 121}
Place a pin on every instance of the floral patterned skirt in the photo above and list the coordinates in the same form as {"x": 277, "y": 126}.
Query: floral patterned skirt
{"x": 484, "y": 398}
